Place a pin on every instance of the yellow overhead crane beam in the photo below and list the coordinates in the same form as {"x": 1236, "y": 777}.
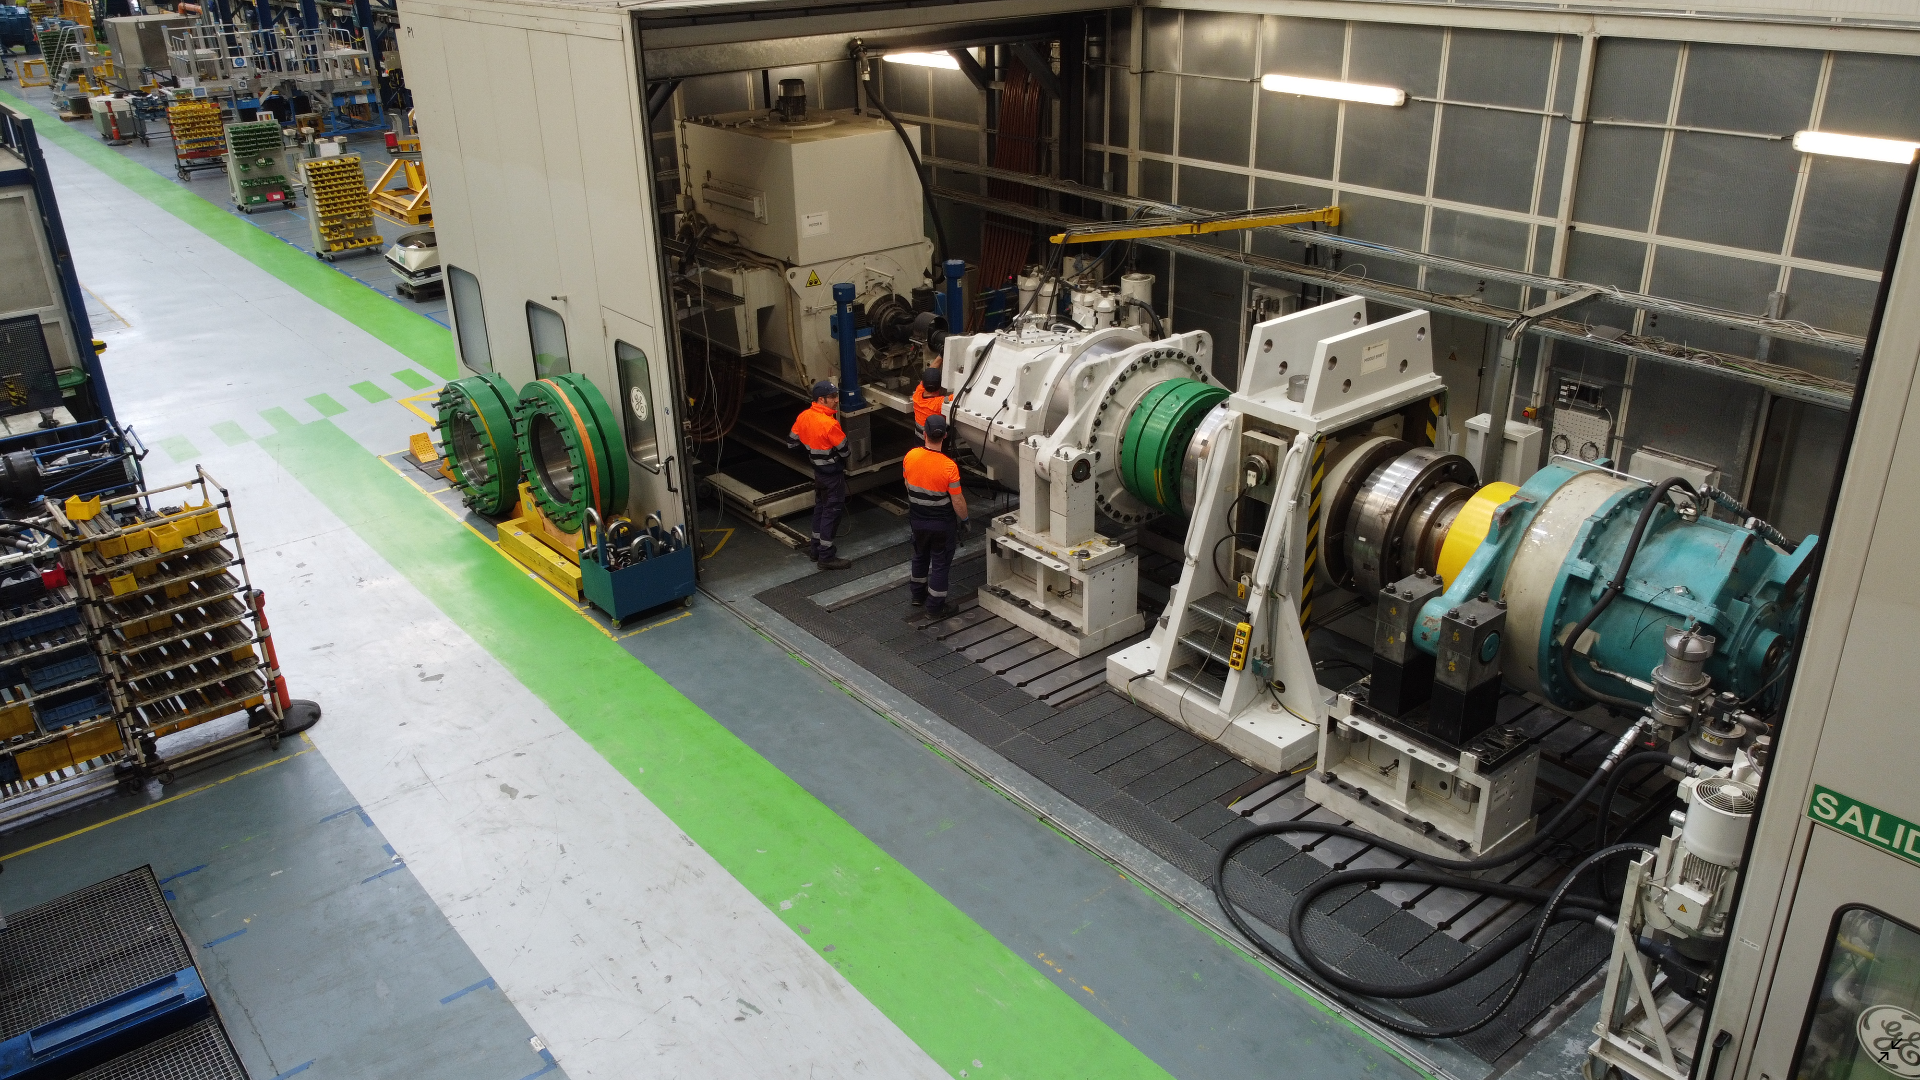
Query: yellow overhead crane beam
{"x": 1245, "y": 219}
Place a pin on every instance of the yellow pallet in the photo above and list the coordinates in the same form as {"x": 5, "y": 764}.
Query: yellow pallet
{"x": 518, "y": 539}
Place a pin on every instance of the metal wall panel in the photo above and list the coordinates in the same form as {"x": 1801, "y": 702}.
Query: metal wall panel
{"x": 1481, "y": 239}
{"x": 1315, "y": 48}
{"x": 1698, "y": 415}
{"x": 1209, "y": 109}
{"x": 1873, "y": 95}
{"x": 1619, "y": 172}
{"x": 1495, "y": 67}
{"x": 1388, "y": 148}
{"x": 1487, "y": 158}
{"x": 1297, "y": 135}
{"x": 1385, "y": 221}
{"x": 1403, "y": 56}
{"x": 1705, "y": 278}
{"x": 1633, "y": 80}
{"x": 1738, "y": 88}
{"x": 1218, "y": 44}
{"x": 1727, "y": 190}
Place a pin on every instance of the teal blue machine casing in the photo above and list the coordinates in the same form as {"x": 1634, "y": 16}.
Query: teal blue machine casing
{"x": 1549, "y": 554}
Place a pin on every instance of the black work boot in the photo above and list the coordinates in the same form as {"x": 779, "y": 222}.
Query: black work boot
{"x": 832, "y": 562}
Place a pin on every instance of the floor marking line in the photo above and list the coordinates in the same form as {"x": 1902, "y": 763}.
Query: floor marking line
{"x": 223, "y": 940}
{"x": 109, "y": 307}
{"x": 384, "y": 873}
{"x": 718, "y": 546}
{"x": 655, "y": 626}
{"x": 432, "y": 421}
{"x": 354, "y": 809}
{"x": 500, "y": 551}
{"x": 484, "y": 984}
{"x": 296, "y": 1070}
{"x": 152, "y": 805}
{"x": 183, "y": 873}
{"x": 946, "y": 982}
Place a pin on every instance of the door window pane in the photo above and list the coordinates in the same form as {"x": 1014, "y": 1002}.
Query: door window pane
{"x": 1865, "y": 1020}
{"x": 636, "y": 391}
{"x": 549, "y": 333}
{"x": 470, "y": 318}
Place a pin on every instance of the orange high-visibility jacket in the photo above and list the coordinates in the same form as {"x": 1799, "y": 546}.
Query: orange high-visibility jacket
{"x": 932, "y": 479}
{"x": 925, "y": 405}
{"x": 819, "y": 431}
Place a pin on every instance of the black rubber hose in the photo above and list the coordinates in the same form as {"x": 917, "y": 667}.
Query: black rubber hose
{"x": 1549, "y": 915}
{"x": 1619, "y": 581}
{"x": 1485, "y": 957}
{"x": 920, "y": 173}
{"x": 1618, "y": 780}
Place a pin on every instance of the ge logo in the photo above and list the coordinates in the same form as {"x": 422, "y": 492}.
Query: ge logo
{"x": 637, "y": 401}
{"x": 1891, "y": 1037}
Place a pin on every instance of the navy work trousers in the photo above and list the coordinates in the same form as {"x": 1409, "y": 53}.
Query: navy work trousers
{"x": 933, "y": 544}
{"x": 829, "y": 502}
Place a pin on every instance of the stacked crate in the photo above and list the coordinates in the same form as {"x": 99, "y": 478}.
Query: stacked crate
{"x": 339, "y": 210}
{"x": 256, "y": 166}
{"x": 199, "y": 140}
{"x": 55, "y": 720}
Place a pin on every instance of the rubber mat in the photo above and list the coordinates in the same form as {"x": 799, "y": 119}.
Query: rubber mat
{"x": 1055, "y": 717}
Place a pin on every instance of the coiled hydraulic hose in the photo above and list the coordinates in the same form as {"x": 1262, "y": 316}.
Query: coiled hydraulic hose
{"x": 1336, "y": 984}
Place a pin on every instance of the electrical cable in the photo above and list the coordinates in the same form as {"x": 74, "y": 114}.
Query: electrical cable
{"x": 920, "y": 173}
{"x": 1618, "y": 780}
{"x": 1309, "y": 970}
{"x": 1315, "y": 971}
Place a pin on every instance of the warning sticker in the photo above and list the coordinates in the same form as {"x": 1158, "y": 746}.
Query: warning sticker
{"x": 1374, "y": 358}
{"x": 813, "y": 278}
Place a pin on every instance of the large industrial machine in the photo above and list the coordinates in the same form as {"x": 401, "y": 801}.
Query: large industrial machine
{"x": 786, "y": 268}
{"x": 1088, "y": 424}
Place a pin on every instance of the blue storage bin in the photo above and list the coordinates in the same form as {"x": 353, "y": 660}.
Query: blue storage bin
{"x": 632, "y": 589}
{"x": 70, "y": 712}
{"x": 46, "y": 677}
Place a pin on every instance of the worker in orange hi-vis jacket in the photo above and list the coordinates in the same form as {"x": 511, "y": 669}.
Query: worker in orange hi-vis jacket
{"x": 936, "y": 511}
{"x": 818, "y": 429}
{"x": 928, "y": 398}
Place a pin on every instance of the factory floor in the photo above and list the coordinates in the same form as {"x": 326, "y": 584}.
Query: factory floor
{"x": 519, "y": 844}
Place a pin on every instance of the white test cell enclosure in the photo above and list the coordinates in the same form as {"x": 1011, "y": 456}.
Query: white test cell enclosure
{"x": 533, "y": 128}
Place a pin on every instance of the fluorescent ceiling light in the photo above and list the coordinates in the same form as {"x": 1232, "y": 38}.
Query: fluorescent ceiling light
{"x": 923, "y": 59}
{"x": 1344, "y": 91}
{"x": 1834, "y": 144}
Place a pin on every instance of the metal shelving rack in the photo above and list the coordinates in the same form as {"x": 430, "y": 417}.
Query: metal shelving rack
{"x": 54, "y": 714}
{"x": 177, "y": 628}
{"x": 339, "y": 209}
{"x": 199, "y": 140}
{"x": 257, "y": 167}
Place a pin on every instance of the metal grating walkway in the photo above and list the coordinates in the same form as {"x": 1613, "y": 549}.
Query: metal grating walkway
{"x": 82, "y": 948}
{"x": 197, "y": 1052}
{"x": 1185, "y": 798}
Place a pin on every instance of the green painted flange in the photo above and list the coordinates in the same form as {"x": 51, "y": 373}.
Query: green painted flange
{"x": 571, "y": 450}
{"x": 478, "y": 442}
{"x": 1155, "y": 442}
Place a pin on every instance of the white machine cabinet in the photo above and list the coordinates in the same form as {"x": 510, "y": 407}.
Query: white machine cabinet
{"x": 784, "y": 188}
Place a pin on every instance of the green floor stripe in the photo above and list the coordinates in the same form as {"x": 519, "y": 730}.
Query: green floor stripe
{"x": 413, "y": 379}
{"x": 415, "y": 336}
{"x": 281, "y": 419}
{"x": 951, "y": 986}
{"x": 325, "y": 405}
{"x": 179, "y": 449}
{"x": 369, "y": 391}
{"x": 231, "y": 433}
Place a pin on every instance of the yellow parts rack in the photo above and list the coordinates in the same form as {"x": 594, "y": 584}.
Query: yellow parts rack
{"x": 1242, "y": 219}
{"x": 1470, "y": 527}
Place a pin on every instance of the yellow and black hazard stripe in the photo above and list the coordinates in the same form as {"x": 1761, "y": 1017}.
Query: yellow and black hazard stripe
{"x": 1433, "y": 420}
{"x": 1317, "y": 469}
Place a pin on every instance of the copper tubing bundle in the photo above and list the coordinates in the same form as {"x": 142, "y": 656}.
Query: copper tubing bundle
{"x": 1005, "y": 243}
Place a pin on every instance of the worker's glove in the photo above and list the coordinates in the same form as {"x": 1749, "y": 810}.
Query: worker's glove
{"x": 965, "y": 527}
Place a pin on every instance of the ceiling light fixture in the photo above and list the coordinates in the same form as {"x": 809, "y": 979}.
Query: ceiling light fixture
{"x": 923, "y": 59}
{"x": 1834, "y": 144}
{"x": 1343, "y": 91}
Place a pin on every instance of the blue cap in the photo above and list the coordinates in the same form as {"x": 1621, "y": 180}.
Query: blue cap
{"x": 936, "y": 426}
{"x": 823, "y": 388}
{"x": 930, "y": 378}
